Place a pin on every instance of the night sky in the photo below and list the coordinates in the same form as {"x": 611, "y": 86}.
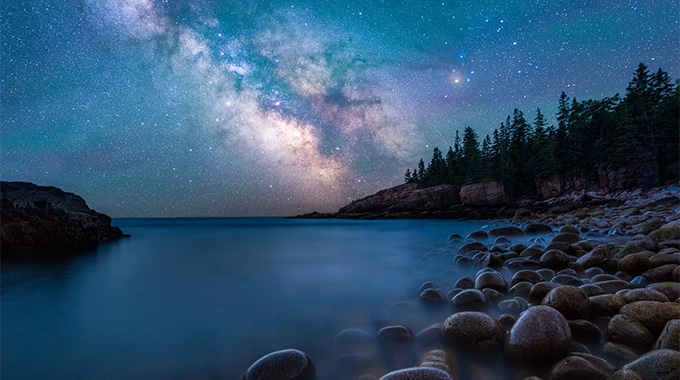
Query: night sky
{"x": 244, "y": 108}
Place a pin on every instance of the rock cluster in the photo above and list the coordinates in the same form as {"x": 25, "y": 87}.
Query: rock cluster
{"x": 567, "y": 305}
{"x": 40, "y": 221}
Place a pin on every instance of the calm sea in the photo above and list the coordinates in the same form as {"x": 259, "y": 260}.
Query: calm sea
{"x": 204, "y": 298}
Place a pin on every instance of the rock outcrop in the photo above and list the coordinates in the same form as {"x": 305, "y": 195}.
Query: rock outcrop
{"x": 39, "y": 221}
{"x": 407, "y": 197}
{"x": 486, "y": 193}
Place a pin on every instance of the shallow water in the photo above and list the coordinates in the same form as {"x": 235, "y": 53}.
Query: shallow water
{"x": 204, "y": 298}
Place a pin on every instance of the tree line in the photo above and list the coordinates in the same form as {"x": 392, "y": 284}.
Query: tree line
{"x": 590, "y": 135}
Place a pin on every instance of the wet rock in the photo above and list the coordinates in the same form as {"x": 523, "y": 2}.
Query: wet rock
{"x": 595, "y": 257}
{"x": 541, "y": 335}
{"x": 643, "y": 242}
{"x": 474, "y": 246}
{"x": 455, "y": 238}
{"x": 660, "y": 364}
{"x": 603, "y": 277}
{"x": 510, "y": 306}
{"x": 517, "y": 248}
{"x": 533, "y": 253}
{"x": 507, "y": 231}
{"x": 465, "y": 283}
{"x": 618, "y": 353}
{"x": 546, "y": 273}
{"x": 575, "y": 367}
{"x": 598, "y": 361}
{"x": 353, "y": 340}
{"x": 540, "y": 290}
{"x": 439, "y": 359}
{"x": 591, "y": 290}
{"x": 568, "y": 238}
{"x": 507, "y": 320}
{"x": 526, "y": 275}
{"x": 427, "y": 285}
{"x": 432, "y": 297}
{"x": 431, "y": 336}
{"x": 634, "y": 295}
{"x": 571, "y": 301}
{"x": 585, "y": 332}
{"x": 594, "y": 271}
{"x": 634, "y": 264}
{"x": 639, "y": 282}
{"x": 554, "y": 259}
{"x": 490, "y": 260}
{"x": 674, "y": 244}
{"x": 493, "y": 295}
{"x": 501, "y": 240}
{"x": 521, "y": 289}
{"x": 653, "y": 315}
{"x": 613, "y": 286}
{"x": 395, "y": 335}
{"x": 669, "y": 289}
{"x": 629, "y": 332}
{"x": 676, "y": 274}
{"x": 472, "y": 331}
{"x": 569, "y": 229}
{"x": 492, "y": 280}
{"x": 566, "y": 279}
{"x": 664, "y": 258}
{"x": 659, "y": 274}
{"x": 469, "y": 300}
{"x": 625, "y": 374}
{"x": 669, "y": 231}
{"x": 282, "y": 365}
{"x": 649, "y": 226}
{"x": 538, "y": 228}
{"x": 417, "y": 373}
{"x": 605, "y": 305}
{"x": 670, "y": 336}
{"x": 478, "y": 235}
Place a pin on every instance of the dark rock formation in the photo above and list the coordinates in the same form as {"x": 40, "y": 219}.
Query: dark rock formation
{"x": 485, "y": 193}
{"x": 407, "y": 197}
{"x": 39, "y": 221}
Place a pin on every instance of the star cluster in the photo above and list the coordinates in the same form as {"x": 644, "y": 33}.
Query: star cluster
{"x": 241, "y": 108}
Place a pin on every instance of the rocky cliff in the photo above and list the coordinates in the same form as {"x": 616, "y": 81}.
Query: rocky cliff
{"x": 40, "y": 221}
{"x": 407, "y": 197}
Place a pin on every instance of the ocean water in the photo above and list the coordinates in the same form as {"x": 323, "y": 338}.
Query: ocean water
{"x": 204, "y": 298}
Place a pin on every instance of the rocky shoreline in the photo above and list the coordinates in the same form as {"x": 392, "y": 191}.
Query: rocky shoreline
{"x": 583, "y": 286}
{"x": 40, "y": 222}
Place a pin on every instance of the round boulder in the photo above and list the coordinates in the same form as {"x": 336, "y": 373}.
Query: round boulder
{"x": 540, "y": 336}
{"x": 472, "y": 331}
{"x": 493, "y": 280}
{"x": 526, "y": 275}
{"x": 478, "y": 235}
{"x": 417, "y": 373}
{"x": 571, "y": 301}
{"x": 468, "y": 300}
{"x": 654, "y": 315}
{"x": 660, "y": 364}
{"x": 576, "y": 367}
{"x": 507, "y": 231}
{"x": 634, "y": 264}
{"x": 568, "y": 238}
{"x": 670, "y": 336}
{"x": 282, "y": 365}
{"x": 554, "y": 259}
{"x": 629, "y": 332}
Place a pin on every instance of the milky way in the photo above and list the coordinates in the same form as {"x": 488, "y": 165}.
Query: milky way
{"x": 241, "y": 108}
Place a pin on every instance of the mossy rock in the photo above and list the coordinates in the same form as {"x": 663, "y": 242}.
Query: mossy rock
{"x": 669, "y": 231}
{"x": 647, "y": 227}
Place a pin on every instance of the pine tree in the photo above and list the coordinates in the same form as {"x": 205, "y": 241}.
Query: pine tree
{"x": 407, "y": 177}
